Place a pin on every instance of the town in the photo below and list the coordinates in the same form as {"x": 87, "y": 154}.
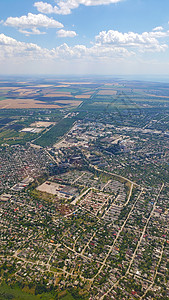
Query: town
{"x": 87, "y": 216}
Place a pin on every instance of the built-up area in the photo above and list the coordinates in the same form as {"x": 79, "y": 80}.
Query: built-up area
{"x": 90, "y": 214}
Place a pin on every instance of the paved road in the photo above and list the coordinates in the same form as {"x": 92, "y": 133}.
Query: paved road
{"x": 144, "y": 230}
{"x": 80, "y": 196}
{"x": 150, "y": 286}
{"x": 119, "y": 232}
{"x": 116, "y": 175}
{"x": 129, "y": 196}
{"x": 139, "y": 242}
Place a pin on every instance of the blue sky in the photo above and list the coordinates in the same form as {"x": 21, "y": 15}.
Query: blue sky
{"x": 109, "y": 37}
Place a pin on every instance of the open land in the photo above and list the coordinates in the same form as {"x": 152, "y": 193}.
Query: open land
{"x": 83, "y": 96}
{"x": 107, "y": 92}
{"x": 28, "y": 103}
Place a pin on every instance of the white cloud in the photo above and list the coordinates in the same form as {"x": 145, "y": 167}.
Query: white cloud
{"x": 10, "y": 47}
{"x": 158, "y": 28}
{"x": 94, "y": 52}
{"x": 32, "y": 21}
{"x": 33, "y": 31}
{"x": 159, "y": 34}
{"x": 66, "y": 33}
{"x": 44, "y": 7}
{"x": 147, "y": 41}
{"x": 110, "y": 46}
{"x": 65, "y": 7}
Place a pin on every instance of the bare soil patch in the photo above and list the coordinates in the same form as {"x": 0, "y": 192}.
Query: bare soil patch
{"x": 107, "y": 92}
{"x": 82, "y": 96}
{"x": 58, "y": 95}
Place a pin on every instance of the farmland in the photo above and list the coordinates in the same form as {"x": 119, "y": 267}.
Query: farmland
{"x": 25, "y": 96}
{"x": 31, "y": 101}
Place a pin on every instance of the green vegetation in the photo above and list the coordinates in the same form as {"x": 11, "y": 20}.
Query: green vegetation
{"x": 16, "y": 293}
{"x": 42, "y": 195}
{"x": 11, "y": 137}
{"x": 67, "y": 297}
{"x": 56, "y": 132}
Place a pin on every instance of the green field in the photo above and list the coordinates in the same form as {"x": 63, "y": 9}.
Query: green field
{"x": 7, "y": 292}
{"x": 11, "y": 137}
{"x": 16, "y": 293}
{"x": 68, "y": 297}
{"x": 57, "y": 131}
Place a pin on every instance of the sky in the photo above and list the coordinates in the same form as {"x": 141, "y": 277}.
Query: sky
{"x": 84, "y": 37}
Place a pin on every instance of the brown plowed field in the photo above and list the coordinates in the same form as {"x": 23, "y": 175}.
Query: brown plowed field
{"x": 24, "y": 103}
{"x": 31, "y": 103}
{"x": 82, "y": 96}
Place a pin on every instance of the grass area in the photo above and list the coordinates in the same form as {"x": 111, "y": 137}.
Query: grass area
{"x": 112, "y": 105}
{"x": 67, "y": 297}
{"x": 12, "y": 137}
{"x": 56, "y": 270}
{"x": 7, "y": 135}
{"x": 70, "y": 90}
{"x": 42, "y": 195}
{"x": 16, "y": 293}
